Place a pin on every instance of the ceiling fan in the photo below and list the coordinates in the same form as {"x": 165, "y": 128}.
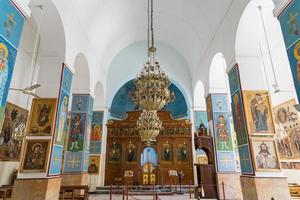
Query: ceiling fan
{"x": 28, "y": 90}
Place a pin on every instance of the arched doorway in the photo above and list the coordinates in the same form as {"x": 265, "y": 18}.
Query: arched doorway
{"x": 149, "y": 161}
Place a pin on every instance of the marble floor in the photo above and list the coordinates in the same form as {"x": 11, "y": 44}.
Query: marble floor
{"x": 163, "y": 197}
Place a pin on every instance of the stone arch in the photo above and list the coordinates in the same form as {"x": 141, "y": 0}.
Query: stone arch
{"x": 261, "y": 53}
{"x": 218, "y": 79}
{"x": 81, "y": 80}
{"x": 99, "y": 102}
{"x": 199, "y": 96}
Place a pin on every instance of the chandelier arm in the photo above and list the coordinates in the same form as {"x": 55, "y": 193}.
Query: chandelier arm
{"x": 148, "y": 32}
{"x": 152, "y": 30}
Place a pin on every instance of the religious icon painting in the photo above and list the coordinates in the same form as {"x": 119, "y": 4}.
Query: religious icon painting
{"x": 96, "y": 132}
{"x": 76, "y": 132}
{"x": 239, "y": 118}
{"x": 66, "y": 81}
{"x": 11, "y": 22}
{"x": 94, "y": 164}
{"x": 36, "y": 156}
{"x": 219, "y": 103}
{"x": 223, "y": 137}
{"x": 182, "y": 153}
{"x": 200, "y": 117}
{"x": 258, "y": 112}
{"x": 80, "y": 103}
{"x": 290, "y": 165}
{"x": 245, "y": 159}
{"x": 209, "y": 108}
{"x": 167, "y": 152}
{"x": 95, "y": 147}
{"x": 97, "y": 117}
{"x": 234, "y": 79}
{"x": 115, "y": 153}
{"x": 61, "y": 118}
{"x": 56, "y": 160}
{"x": 15, "y": 120}
{"x": 265, "y": 155}
{"x": 7, "y": 61}
{"x": 226, "y": 161}
{"x": 287, "y": 130}
{"x": 131, "y": 153}
{"x": 42, "y": 114}
{"x": 73, "y": 161}
{"x": 294, "y": 58}
{"x": 290, "y": 23}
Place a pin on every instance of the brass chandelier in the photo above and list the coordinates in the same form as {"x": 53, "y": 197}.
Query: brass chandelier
{"x": 151, "y": 89}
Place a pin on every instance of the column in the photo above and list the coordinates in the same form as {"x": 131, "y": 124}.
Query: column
{"x": 289, "y": 20}
{"x": 219, "y": 124}
{"x": 95, "y": 150}
{"x": 76, "y": 160}
{"x": 254, "y": 125}
{"x": 41, "y": 159}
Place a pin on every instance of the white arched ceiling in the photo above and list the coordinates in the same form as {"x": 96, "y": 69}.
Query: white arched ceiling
{"x": 52, "y": 47}
{"x": 129, "y": 62}
{"x": 218, "y": 79}
{"x": 256, "y": 52}
{"x": 199, "y": 96}
{"x": 99, "y": 101}
{"x": 81, "y": 79}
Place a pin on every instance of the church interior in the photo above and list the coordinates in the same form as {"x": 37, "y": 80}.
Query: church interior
{"x": 149, "y": 99}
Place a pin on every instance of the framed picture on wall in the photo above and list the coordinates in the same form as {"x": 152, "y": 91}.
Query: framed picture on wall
{"x": 258, "y": 112}
{"x": 265, "y": 154}
{"x": 36, "y": 156}
{"x": 42, "y": 117}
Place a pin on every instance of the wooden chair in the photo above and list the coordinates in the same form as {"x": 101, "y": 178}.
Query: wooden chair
{"x": 74, "y": 192}
{"x": 294, "y": 190}
{"x": 6, "y": 191}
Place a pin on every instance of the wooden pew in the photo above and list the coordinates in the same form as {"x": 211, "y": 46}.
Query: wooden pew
{"x": 294, "y": 190}
{"x": 74, "y": 192}
{"x": 6, "y": 192}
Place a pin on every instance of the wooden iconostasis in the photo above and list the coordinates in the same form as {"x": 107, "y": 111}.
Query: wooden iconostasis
{"x": 172, "y": 151}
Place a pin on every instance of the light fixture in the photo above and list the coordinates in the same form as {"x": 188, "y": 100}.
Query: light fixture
{"x": 151, "y": 89}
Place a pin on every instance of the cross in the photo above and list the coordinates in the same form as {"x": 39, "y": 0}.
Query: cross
{"x": 94, "y": 147}
{"x": 293, "y": 18}
{"x": 56, "y": 159}
{"x": 79, "y": 103}
{"x": 226, "y": 160}
{"x": 244, "y": 159}
{"x": 73, "y": 163}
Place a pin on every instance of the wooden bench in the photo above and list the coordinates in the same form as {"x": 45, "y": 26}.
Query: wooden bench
{"x": 294, "y": 190}
{"x": 6, "y": 192}
{"x": 74, "y": 192}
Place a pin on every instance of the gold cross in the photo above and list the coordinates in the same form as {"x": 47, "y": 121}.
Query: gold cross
{"x": 244, "y": 159}
{"x": 226, "y": 160}
{"x": 94, "y": 147}
{"x": 73, "y": 163}
{"x": 293, "y": 18}
{"x": 56, "y": 159}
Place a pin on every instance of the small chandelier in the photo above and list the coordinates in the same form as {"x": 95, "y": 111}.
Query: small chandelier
{"x": 149, "y": 126}
{"x": 19, "y": 132}
{"x": 151, "y": 90}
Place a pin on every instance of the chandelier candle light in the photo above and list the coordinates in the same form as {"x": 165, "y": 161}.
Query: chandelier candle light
{"x": 151, "y": 90}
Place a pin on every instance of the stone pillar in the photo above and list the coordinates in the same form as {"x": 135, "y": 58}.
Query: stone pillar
{"x": 253, "y": 121}
{"x": 219, "y": 122}
{"x": 289, "y": 20}
{"x": 95, "y": 150}
{"x": 76, "y": 160}
{"x": 41, "y": 160}
{"x": 9, "y": 42}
